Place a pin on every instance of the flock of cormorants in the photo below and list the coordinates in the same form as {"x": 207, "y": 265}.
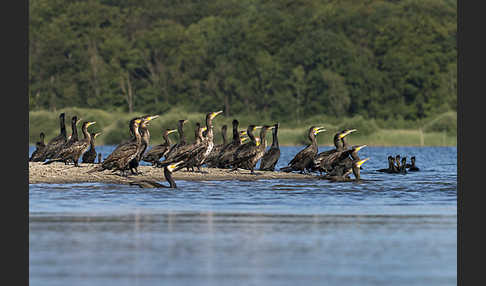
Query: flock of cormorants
{"x": 337, "y": 163}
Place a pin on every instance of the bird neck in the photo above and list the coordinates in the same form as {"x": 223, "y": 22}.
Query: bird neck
{"x": 63, "y": 127}
{"x": 168, "y": 178}
{"x": 223, "y": 134}
{"x": 74, "y": 135}
{"x": 275, "y": 138}
{"x": 86, "y": 134}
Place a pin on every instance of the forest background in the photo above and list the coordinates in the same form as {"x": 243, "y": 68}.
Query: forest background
{"x": 385, "y": 67}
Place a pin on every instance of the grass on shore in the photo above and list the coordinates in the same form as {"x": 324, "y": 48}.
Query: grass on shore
{"x": 437, "y": 131}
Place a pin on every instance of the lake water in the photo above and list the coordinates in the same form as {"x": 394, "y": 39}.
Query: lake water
{"x": 391, "y": 229}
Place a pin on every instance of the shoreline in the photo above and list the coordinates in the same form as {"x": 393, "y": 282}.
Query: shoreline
{"x": 58, "y": 173}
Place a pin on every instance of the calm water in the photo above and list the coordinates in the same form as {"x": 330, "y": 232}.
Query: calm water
{"x": 391, "y": 229}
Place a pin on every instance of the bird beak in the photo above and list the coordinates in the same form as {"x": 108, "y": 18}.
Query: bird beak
{"x": 318, "y": 130}
{"x": 347, "y": 133}
{"x": 79, "y": 120}
{"x": 360, "y": 147}
{"x": 214, "y": 114}
{"x": 244, "y": 139}
{"x": 90, "y": 123}
{"x": 360, "y": 162}
{"x": 151, "y": 117}
{"x": 172, "y": 131}
{"x": 204, "y": 128}
{"x": 96, "y": 134}
{"x": 257, "y": 127}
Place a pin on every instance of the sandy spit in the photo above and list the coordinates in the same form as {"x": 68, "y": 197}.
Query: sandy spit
{"x": 58, "y": 173}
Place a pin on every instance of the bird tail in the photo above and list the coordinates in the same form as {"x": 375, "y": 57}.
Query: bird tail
{"x": 96, "y": 169}
{"x": 287, "y": 169}
{"x": 51, "y": 161}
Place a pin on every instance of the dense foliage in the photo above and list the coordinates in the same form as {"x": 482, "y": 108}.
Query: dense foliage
{"x": 290, "y": 58}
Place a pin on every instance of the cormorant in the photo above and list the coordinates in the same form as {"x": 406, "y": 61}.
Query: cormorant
{"x": 90, "y": 155}
{"x": 153, "y": 155}
{"x": 323, "y": 161}
{"x": 40, "y": 147}
{"x": 73, "y": 138}
{"x": 403, "y": 166}
{"x": 412, "y": 167}
{"x": 248, "y": 155}
{"x": 99, "y": 158}
{"x": 355, "y": 169}
{"x": 195, "y": 156}
{"x": 391, "y": 166}
{"x": 153, "y": 184}
{"x": 397, "y": 166}
{"x": 55, "y": 144}
{"x": 345, "y": 160}
{"x": 145, "y": 139}
{"x": 304, "y": 159}
{"x": 120, "y": 157}
{"x": 76, "y": 149}
{"x": 226, "y": 153}
{"x": 212, "y": 159}
{"x": 270, "y": 158}
{"x": 174, "y": 150}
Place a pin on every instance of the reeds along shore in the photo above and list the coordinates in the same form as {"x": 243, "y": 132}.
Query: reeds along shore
{"x": 242, "y": 151}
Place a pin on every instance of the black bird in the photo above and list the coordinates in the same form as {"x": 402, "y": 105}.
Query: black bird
{"x": 153, "y": 155}
{"x": 304, "y": 159}
{"x": 403, "y": 166}
{"x": 226, "y": 153}
{"x": 397, "y": 162}
{"x": 73, "y": 152}
{"x": 270, "y": 158}
{"x": 40, "y": 147}
{"x": 99, "y": 158}
{"x": 119, "y": 159}
{"x": 199, "y": 150}
{"x": 323, "y": 161}
{"x": 412, "y": 167}
{"x": 345, "y": 160}
{"x": 90, "y": 155}
{"x": 212, "y": 159}
{"x": 391, "y": 166}
{"x": 73, "y": 138}
{"x": 144, "y": 183}
{"x": 145, "y": 140}
{"x": 248, "y": 155}
{"x": 174, "y": 150}
{"x": 344, "y": 177}
{"x": 55, "y": 144}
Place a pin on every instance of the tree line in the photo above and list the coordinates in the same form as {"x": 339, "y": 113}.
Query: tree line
{"x": 381, "y": 59}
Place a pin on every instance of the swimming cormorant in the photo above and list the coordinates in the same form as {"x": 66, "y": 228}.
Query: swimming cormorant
{"x": 145, "y": 183}
{"x": 391, "y": 166}
{"x": 270, "y": 158}
{"x": 412, "y": 167}
{"x": 304, "y": 159}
